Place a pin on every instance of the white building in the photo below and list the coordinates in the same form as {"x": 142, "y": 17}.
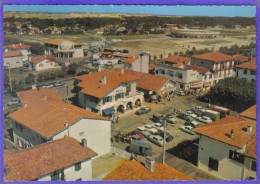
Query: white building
{"x": 186, "y": 76}
{"x": 64, "y": 48}
{"x": 43, "y": 62}
{"x": 13, "y": 59}
{"x": 139, "y": 64}
{"x": 227, "y": 148}
{"x": 108, "y": 91}
{"x": 247, "y": 71}
{"x": 46, "y": 119}
{"x": 220, "y": 64}
{"x": 61, "y": 160}
{"x": 24, "y": 49}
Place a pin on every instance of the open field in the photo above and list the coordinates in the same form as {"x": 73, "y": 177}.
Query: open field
{"x": 134, "y": 37}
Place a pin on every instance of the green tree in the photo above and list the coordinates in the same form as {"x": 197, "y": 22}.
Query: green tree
{"x": 72, "y": 68}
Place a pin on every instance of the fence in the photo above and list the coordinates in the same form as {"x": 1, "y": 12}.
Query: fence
{"x": 120, "y": 152}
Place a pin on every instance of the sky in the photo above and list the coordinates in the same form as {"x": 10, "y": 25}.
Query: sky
{"x": 178, "y": 10}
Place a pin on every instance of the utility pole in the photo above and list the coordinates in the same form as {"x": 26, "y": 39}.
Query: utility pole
{"x": 67, "y": 93}
{"x": 10, "y": 80}
{"x": 164, "y": 135}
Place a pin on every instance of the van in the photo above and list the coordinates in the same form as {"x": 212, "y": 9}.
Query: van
{"x": 194, "y": 124}
{"x": 214, "y": 115}
{"x": 141, "y": 148}
{"x": 158, "y": 118}
{"x": 222, "y": 110}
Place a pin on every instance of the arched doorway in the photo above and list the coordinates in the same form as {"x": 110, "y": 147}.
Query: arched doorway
{"x": 120, "y": 108}
{"x": 129, "y": 105}
{"x": 138, "y": 102}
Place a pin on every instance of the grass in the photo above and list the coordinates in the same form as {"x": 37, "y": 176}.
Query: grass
{"x": 211, "y": 42}
{"x": 134, "y": 37}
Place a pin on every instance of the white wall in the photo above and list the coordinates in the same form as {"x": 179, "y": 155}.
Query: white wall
{"x": 248, "y": 172}
{"x": 71, "y": 175}
{"x": 44, "y": 65}
{"x": 248, "y": 76}
{"x": 13, "y": 62}
{"x": 96, "y": 132}
{"x": 228, "y": 169}
{"x": 141, "y": 66}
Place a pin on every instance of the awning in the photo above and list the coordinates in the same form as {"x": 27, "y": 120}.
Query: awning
{"x": 207, "y": 84}
{"x": 108, "y": 111}
{"x": 196, "y": 86}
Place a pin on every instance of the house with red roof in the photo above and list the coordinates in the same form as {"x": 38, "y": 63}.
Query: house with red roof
{"x": 173, "y": 59}
{"x": 247, "y": 70}
{"x": 45, "y": 117}
{"x": 227, "y": 147}
{"x": 143, "y": 171}
{"x": 139, "y": 64}
{"x": 13, "y": 59}
{"x": 65, "y": 159}
{"x": 186, "y": 77}
{"x": 107, "y": 91}
{"x": 42, "y": 62}
{"x": 24, "y": 49}
{"x": 220, "y": 64}
{"x": 239, "y": 59}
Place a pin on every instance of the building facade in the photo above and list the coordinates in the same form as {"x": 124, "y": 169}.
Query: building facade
{"x": 13, "y": 59}
{"x": 139, "y": 64}
{"x": 108, "y": 91}
{"x": 247, "y": 71}
{"x": 220, "y": 64}
{"x": 24, "y": 49}
{"x": 42, "y": 62}
{"x": 64, "y": 48}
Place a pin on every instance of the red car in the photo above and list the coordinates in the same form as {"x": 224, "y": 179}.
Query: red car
{"x": 135, "y": 132}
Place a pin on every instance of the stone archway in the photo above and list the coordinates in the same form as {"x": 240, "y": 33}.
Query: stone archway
{"x": 138, "y": 102}
{"x": 121, "y": 109}
{"x": 129, "y": 105}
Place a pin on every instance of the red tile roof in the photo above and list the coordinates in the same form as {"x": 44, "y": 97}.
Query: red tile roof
{"x": 249, "y": 113}
{"x": 241, "y": 58}
{"x": 251, "y": 147}
{"x": 47, "y": 117}
{"x": 91, "y": 83}
{"x": 177, "y": 59}
{"x": 220, "y": 130}
{"x": 248, "y": 65}
{"x": 134, "y": 170}
{"x": 32, "y": 95}
{"x": 18, "y": 46}
{"x": 147, "y": 81}
{"x": 201, "y": 70}
{"x": 151, "y": 67}
{"x": 38, "y": 59}
{"x": 214, "y": 56}
{"x": 31, "y": 163}
{"x": 130, "y": 60}
{"x": 12, "y": 54}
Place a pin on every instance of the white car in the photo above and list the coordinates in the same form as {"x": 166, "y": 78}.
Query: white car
{"x": 181, "y": 93}
{"x": 171, "y": 119}
{"x": 152, "y": 130}
{"x": 187, "y": 129}
{"x": 200, "y": 108}
{"x": 192, "y": 114}
{"x": 156, "y": 139}
{"x": 141, "y": 128}
{"x": 158, "y": 126}
{"x": 204, "y": 119}
{"x": 148, "y": 126}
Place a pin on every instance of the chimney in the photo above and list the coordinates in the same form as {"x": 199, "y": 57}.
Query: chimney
{"x": 20, "y": 43}
{"x": 249, "y": 59}
{"x": 122, "y": 70}
{"x": 25, "y": 105}
{"x": 84, "y": 143}
{"x": 34, "y": 86}
{"x": 249, "y": 129}
{"x": 232, "y": 133}
{"x": 149, "y": 163}
{"x": 44, "y": 97}
{"x": 103, "y": 80}
{"x": 64, "y": 107}
{"x": 66, "y": 124}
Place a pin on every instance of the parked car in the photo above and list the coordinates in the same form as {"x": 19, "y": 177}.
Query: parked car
{"x": 48, "y": 86}
{"x": 204, "y": 119}
{"x": 60, "y": 83}
{"x": 158, "y": 118}
{"x": 135, "y": 138}
{"x": 158, "y": 126}
{"x": 181, "y": 93}
{"x": 156, "y": 139}
{"x": 148, "y": 126}
{"x": 171, "y": 119}
{"x": 185, "y": 116}
{"x": 13, "y": 101}
{"x": 168, "y": 137}
{"x": 143, "y": 110}
{"x": 200, "y": 108}
{"x": 197, "y": 112}
{"x": 136, "y": 132}
{"x": 145, "y": 133}
{"x": 141, "y": 128}
{"x": 152, "y": 130}
{"x": 192, "y": 114}
{"x": 187, "y": 129}
{"x": 194, "y": 124}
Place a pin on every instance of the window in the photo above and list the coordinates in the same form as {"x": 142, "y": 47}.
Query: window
{"x": 213, "y": 164}
{"x": 205, "y": 77}
{"x": 156, "y": 71}
{"x": 236, "y": 156}
{"x": 253, "y": 165}
{"x": 55, "y": 176}
{"x": 245, "y": 72}
{"x": 180, "y": 76}
{"x": 171, "y": 74}
{"x": 253, "y": 72}
{"x": 210, "y": 76}
{"x": 201, "y": 62}
{"x": 120, "y": 95}
{"x": 107, "y": 99}
{"x": 93, "y": 99}
{"x": 162, "y": 72}
{"x": 128, "y": 88}
{"x": 16, "y": 125}
{"x": 21, "y": 127}
{"x": 77, "y": 166}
